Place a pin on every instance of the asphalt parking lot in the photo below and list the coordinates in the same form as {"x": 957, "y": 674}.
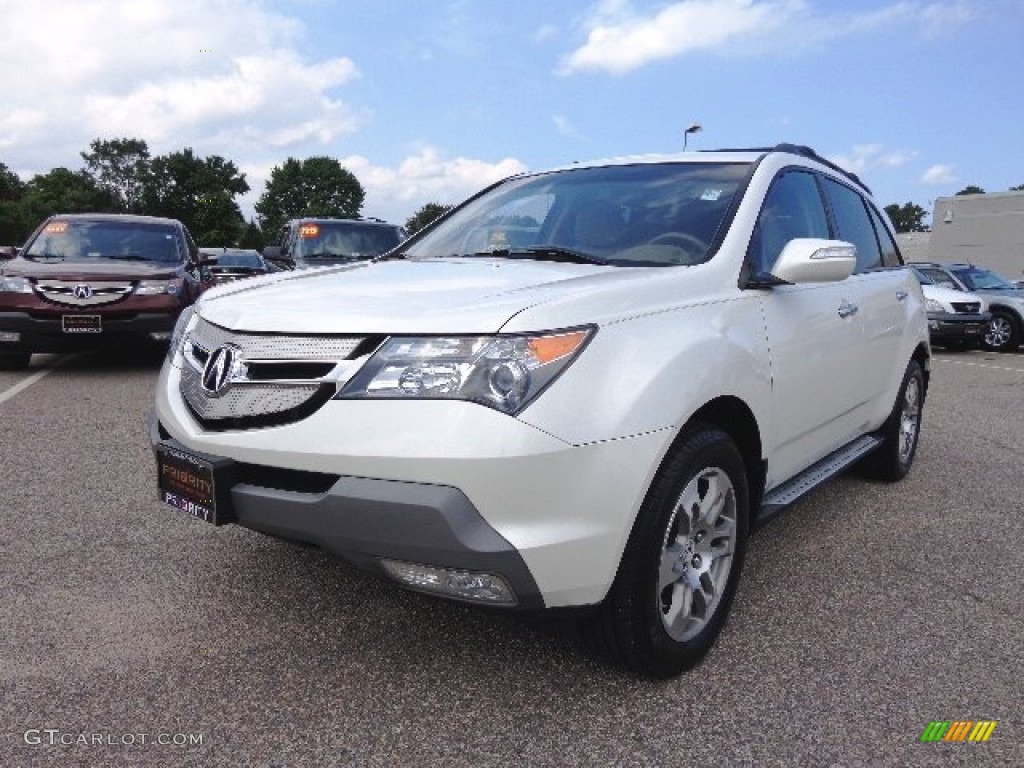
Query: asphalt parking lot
{"x": 135, "y": 635}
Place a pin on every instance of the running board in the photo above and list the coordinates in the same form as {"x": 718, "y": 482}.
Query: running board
{"x": 816, "y": 474}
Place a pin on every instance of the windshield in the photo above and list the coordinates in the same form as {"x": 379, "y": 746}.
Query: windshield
{"x": 236, "y": 259}
{"x": 345, "y": 239}
{"x": 922, "y": 278}
{"x": 629, "y": 215}
{"x": 85, "y": 240}
{"x": 984, "y": 280}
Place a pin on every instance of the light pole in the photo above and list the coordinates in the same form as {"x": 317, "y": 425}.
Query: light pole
{"x": 696, "y": 127}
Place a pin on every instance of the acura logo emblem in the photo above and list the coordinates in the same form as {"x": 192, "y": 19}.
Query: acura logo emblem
{"x": 82, "y": 291}
{"x": 219, "y": 367}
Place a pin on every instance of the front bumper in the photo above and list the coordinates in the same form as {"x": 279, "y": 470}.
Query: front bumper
{"x": 957, "y": 327}
{"x": 365, "y": 521}
{"x": 45, "y": 333}
{"x": 444, "y": 484}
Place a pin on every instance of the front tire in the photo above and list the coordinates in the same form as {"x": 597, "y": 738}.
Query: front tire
{"x": 682, "y": 563}
{"x": 14, "y": 361}
{"x": 1003, "y": 333}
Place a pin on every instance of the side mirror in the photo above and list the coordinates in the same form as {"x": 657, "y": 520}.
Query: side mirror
{"x": 813, "y": 260}
{"x": 272, "y": 252}
{"x": 7, "y": 252}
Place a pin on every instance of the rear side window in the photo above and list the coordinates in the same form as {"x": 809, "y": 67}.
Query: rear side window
{"x": 890, "y": 253}
{"x": 854, "y": 224}
{"x": 792, "y": 208}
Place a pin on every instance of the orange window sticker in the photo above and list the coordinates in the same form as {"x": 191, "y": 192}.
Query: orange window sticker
{"x": 57, "y": 226}
{"x": 309, "y": 230}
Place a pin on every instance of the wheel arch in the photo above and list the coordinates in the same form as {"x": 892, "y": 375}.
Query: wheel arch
{"x": 736, "y": 419}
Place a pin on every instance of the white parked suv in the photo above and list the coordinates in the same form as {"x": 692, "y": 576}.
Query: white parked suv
{"x": 581, "y": 388}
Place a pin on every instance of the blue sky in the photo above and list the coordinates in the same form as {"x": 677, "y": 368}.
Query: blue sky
{"x": 429, "y": 101}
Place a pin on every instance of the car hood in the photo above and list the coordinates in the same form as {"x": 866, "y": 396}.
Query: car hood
{"x": 1006, "y": 293}
{"x": 427, "y": 296}
{"x": 949, "y": 296}
{"x": 100, "y": 269}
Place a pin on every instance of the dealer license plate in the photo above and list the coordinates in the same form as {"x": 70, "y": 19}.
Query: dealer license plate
{"x": 82, "y": 324}
{"x": 193, "y": 485}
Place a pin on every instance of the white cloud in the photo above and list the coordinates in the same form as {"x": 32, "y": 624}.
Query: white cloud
{"x": 865, "y": 156}
{"x": 564, "y": 127}
{"x": 621, "y": 40}
{"x": 395, "y": 193}
{"x": 224, "y": 76}
{"x": 939, "y": 174}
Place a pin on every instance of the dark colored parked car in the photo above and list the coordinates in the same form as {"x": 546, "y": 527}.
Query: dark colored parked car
{"x": 312, "y": 242}
{"x": 87, "y": 280}
{"x": 225, "y": 265}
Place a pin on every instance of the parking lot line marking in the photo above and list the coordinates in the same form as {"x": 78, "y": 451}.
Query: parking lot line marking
{"x": 24, "y": 384}
{"x": 978, "y": 365}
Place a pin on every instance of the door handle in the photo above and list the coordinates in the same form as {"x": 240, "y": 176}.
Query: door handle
{"x": 846, "y": 309}
{"x": 901, "y": 295}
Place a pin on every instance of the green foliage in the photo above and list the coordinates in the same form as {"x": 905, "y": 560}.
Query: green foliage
{"x": 971, "y": 189}
{"x": 13, "y": 228}
{"x": 316, "y": 186}
{"x": 1019, "y": 188}
{"x": 63, "y": 191}
{"x": 424, "y": 216}
{"x": 252, "y": 237}
{"x": 907, "y": 217}
{"x": 199, "y": 192}
{"x": 119, "y": 166}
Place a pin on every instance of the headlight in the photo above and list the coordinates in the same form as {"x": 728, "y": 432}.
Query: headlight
{"x": 154, "y": 287}
{"x": 178, "y": 336}
{"x": 502, "y": 372}
{"x": 15, "y": 285}
{"x": 933, "y": 306}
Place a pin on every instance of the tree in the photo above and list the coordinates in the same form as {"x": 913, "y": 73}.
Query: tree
{"x": 13, "y": 229}
{"x": 907, "y": 217}
{"x": 316, "y": 186}
{"x": 63, "y": 191}
{"x": 120, "y": 166}
{"x": 971, "y": 189}
{"x": 424, "y": 216}
{"x": 1019, "y": 188}
{"x": 199, "y": 192}
{"x": 252, "y": 237}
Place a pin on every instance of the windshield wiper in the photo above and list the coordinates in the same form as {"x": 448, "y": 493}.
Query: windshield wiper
{"x": 126, "y": 257}
{"x": 551, "y": 253}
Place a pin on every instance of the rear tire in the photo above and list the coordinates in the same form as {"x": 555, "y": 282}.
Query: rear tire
{"x": 14, "y": 361}
{"x": 901, "y": 431}
{"x": 682, "y": 563}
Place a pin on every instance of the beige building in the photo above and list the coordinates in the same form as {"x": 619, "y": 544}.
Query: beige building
{"x": 987, "y": 230}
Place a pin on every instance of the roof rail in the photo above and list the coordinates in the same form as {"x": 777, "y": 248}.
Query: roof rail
{"x": 804, "y": 151}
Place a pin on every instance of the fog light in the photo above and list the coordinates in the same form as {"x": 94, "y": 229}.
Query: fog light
{"x": 467, "y": 585}
{"x": 10, "y": 336}
{"x": 160, "y": 335}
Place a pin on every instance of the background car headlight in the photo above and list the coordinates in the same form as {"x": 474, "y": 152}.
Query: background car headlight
{"x": 502, "y": 372}
{"x": 15, "y": 285}
{"x": 154, "y": 287}
{"x": 931, "y": 305}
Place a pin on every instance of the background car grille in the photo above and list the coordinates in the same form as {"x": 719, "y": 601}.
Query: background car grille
{"x": 63, "y": 292}
{"x": 286, "y": 377}
{"x": 967, "y": 307}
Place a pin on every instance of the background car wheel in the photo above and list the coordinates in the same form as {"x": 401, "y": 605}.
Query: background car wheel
{"x": 901, "y": 431}
{"x": 682, "y": 563}
{"x": 1003, "y": 332}
{"x": 14, "y": 361}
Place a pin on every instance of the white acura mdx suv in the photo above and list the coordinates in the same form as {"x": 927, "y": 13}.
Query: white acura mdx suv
{"x": 580, "y": 388}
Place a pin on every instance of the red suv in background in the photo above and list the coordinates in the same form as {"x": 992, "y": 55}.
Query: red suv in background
{"x": 87, "y": 280}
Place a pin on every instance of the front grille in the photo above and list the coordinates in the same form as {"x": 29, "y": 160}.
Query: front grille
{"x": 967, "y": 307}
{"x": 277, "y": 378}
{"x": 83, "y": 294}
{"x": 256, "y": 346}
